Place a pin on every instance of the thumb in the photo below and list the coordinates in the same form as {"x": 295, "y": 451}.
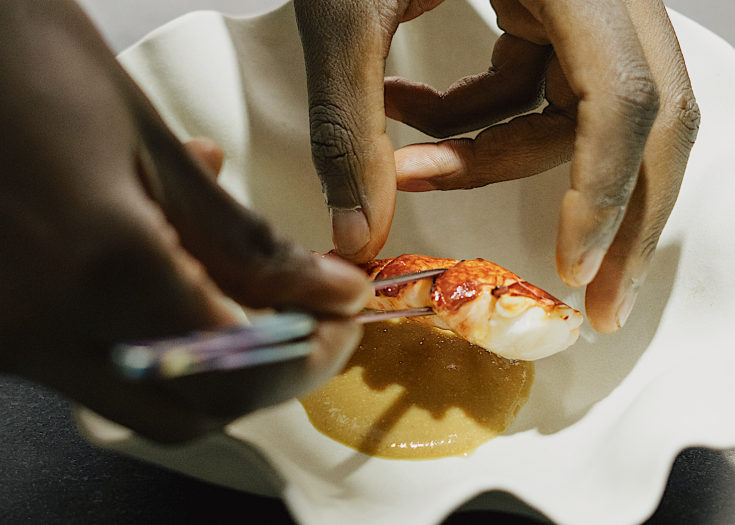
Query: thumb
{"x": 345, "y": 44}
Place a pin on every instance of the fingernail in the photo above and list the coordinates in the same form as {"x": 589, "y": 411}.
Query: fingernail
{"x": 587, "y": 266}
{"x": 625, "y": 307}
{"x": 350, "y": 230}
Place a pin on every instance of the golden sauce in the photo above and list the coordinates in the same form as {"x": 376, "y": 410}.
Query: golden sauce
{"x": 412, "y": 391}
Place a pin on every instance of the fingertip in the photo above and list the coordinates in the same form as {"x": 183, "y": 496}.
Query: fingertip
{"x": 600, "y": 299}
{"x": 602, "y": 326}
{"x": 351, "y": 285}
{"x": 612, "y": 295}
{"x": 208, "y": 153}
{"x": 585, "y": 234}
{"x": 608, "y": 318}
{"x": 411, "y": 168}
{"x": 426, "y": 167}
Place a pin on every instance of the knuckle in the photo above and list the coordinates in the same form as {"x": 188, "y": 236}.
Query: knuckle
{"x": 684, "y": 115}
{"x": 335, "y": 156}
{"x": 331, "y": 139}
{"x": 638, "y": 96}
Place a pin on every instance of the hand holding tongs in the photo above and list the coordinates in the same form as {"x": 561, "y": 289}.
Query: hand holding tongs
{"x": 272, "y": 339}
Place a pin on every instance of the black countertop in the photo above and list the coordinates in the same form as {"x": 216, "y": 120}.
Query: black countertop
{"x": 50, "y": 474}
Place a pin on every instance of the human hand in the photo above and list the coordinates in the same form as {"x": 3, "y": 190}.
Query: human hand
{"x": 620, "y": 106}
{"x": 113, "y": 231}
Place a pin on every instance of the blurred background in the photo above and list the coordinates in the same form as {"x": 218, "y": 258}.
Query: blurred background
{"x": 125, "y": 21}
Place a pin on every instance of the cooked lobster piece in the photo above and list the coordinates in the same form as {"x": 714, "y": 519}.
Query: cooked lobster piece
{"x": 480, "y": 301}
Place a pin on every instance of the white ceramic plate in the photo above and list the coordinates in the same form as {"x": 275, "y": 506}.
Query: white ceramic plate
{"x": 605, "y": 419}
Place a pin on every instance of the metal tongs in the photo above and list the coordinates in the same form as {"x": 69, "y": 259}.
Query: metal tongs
{"x": 271, "y": 339}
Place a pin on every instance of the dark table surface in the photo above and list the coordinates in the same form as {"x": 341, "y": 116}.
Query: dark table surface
{"x": 49, "y": 474}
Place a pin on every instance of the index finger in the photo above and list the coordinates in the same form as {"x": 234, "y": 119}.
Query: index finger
{"x": 603, "y": 61}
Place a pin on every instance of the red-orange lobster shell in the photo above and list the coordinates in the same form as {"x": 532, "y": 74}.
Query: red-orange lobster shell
{"x": 486, "y": 304}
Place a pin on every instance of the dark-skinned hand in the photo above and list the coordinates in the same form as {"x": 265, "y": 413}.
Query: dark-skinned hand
{"x": 619, "y": 106}
{"x": 112, "y": 230}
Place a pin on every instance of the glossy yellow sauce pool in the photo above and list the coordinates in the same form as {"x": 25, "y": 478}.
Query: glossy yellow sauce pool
{"x": 415, "y": 392}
